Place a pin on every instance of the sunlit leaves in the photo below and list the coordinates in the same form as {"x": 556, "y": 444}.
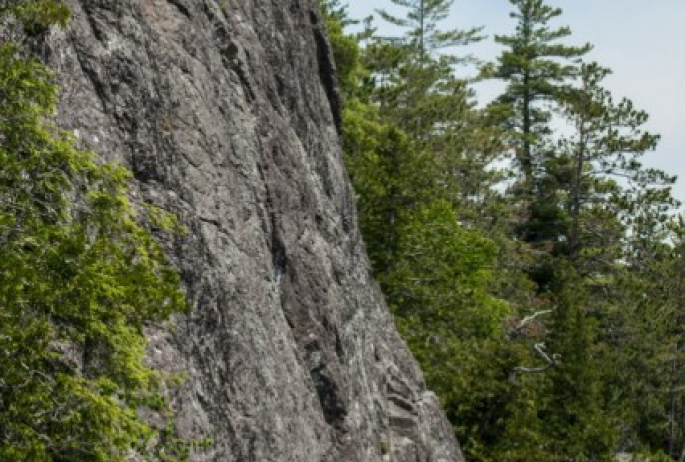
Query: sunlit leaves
{"x": 79, "y": 280}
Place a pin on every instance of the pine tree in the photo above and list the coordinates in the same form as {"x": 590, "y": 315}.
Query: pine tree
{"x": 646, "y": 337}
{"x": 414, "y": 70}
{"x": 606, "y": 191}
{"x": 579, "y": 362}
{"x": 613, "y": 210}
{"x": 422, "y": 19}
{"x": 589, "y": 207}
{"x": 536, "y": 69}
{"x": 418, "y": 91}
{"x": 581, "y": 425}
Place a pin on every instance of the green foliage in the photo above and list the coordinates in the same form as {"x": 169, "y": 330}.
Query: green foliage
{"x": 440, "y": 291}
{"x": 80, "y": 279}
{"x": 592, "y": 165}
{"x": 442, "y": 273}
{"x": 36, "y": 16}
{"x": 543, "y": 316}
{"x": 345, "y": 49}
{"x": 536, "y": 69}
{"x": 576, "y": 417}
{"x": 422, "y": 19}
{"x": 416, "y": 153}
{"x": 389, "y": 178}
{"x": 647, "y": 344}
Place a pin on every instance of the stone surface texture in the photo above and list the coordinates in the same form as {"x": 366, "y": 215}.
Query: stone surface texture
{"x": 227, "y": 112}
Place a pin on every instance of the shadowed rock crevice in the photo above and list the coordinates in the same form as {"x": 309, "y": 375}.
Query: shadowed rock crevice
{"x": 327, "y": 68}
{"x": 228, "y": 114}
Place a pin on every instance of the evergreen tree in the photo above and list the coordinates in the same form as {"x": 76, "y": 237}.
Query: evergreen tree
{"x": 417, "y": 78}
{"x": 606, "y": 191}
{"x": 646, "y": 337}
{"x": 576, "y": 416}
{"x": 588, "y": 203}
{"x": 536, "y": 69}
{"x": 586, "y": 359}
{"x": 611, "y": 207}
{"x": 422, "y": 19}
{"x": 417, "y": 90}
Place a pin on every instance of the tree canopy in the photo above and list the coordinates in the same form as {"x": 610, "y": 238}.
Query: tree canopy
{"x": 539, "y": 297}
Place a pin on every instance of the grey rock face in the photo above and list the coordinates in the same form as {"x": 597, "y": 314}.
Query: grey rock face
{"x": 228, "y": 114}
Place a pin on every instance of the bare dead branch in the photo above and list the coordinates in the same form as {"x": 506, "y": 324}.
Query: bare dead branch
{"x": 550, "y": 362}
{"x": 530, "y": 318}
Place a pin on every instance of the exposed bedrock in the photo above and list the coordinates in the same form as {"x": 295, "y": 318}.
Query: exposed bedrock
{"x": 228, "y": 113}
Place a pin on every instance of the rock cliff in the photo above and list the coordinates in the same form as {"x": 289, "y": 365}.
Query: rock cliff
{"x": 228, "y": 114}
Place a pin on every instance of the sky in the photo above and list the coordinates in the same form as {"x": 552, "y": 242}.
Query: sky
{"x": 643, "y": 42}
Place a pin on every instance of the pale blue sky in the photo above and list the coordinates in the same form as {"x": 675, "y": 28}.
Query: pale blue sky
{"x": 643, "y": 42}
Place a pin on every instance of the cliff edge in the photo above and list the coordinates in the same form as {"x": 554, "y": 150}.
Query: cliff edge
{"x": 227, "y": 112}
